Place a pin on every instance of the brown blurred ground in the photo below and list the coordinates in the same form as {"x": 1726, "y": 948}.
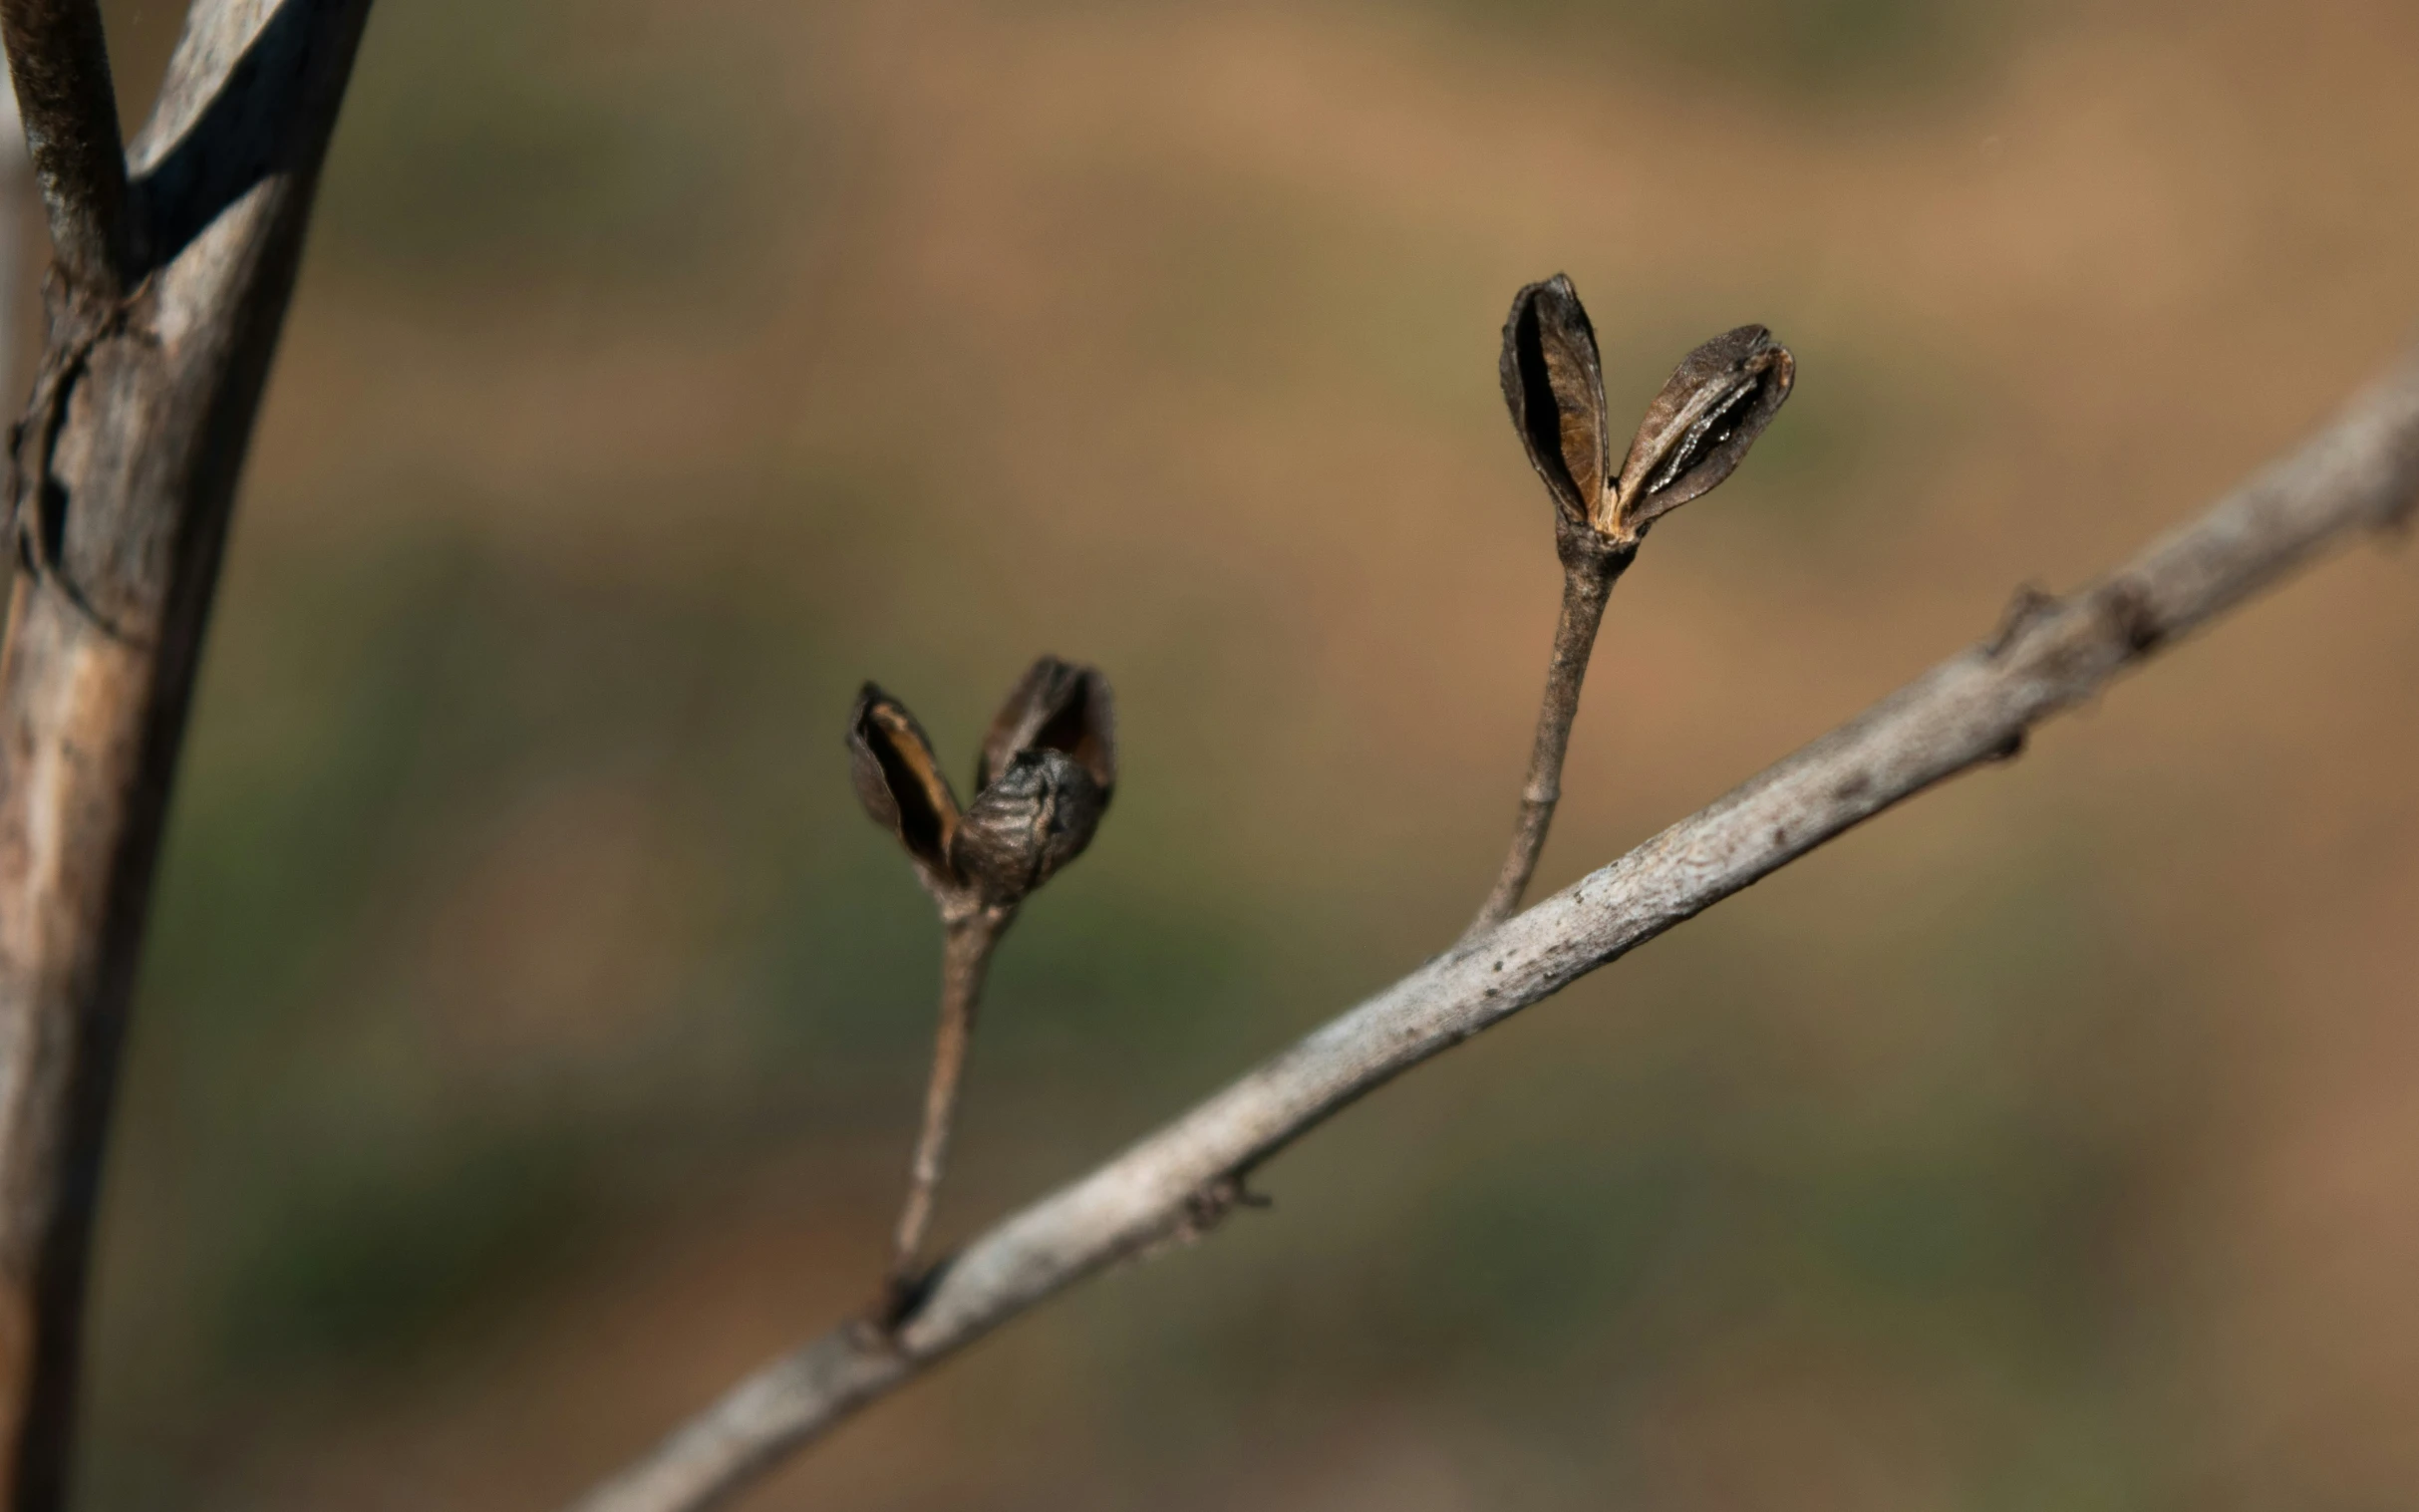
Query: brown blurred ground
{"x": 531, "y": 1029}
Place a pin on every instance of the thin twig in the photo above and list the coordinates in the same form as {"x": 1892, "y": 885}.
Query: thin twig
{"x": 2360, "y": 473}
{"x": 966, "y": 952}
{"x": 1586, "y": 586}
{"x": 60, "y": 62}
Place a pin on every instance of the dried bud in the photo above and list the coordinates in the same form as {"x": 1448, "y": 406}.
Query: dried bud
{"x": 900, "y": 784}
{"x": 1047, "y": 767}
{"x": 1056, "y": 706}
{"x": 1699, "y": 428}
{"x": 1034, "y": 817}
{"x": 1555, "y": 387}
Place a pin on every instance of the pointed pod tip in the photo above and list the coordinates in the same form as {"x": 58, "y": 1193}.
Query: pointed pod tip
{"x": 1698, "y": 428}
{"x": 897, "y": 778}
{"x": 1057, "y": 706}
{"x": 1554, "y": 386}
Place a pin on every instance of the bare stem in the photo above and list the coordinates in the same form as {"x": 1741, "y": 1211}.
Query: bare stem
{"x": 1586, "y": 586}
{"x": 964, "y": 962}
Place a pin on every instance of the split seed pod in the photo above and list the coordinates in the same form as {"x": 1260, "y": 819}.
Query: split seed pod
{"x": 1056, "y": 706}
{"x": 1554, "y": 385}
{"x": 1049, "y": 767}
{"x": 1699, "y": 429}
{"x": 901, "y": 784}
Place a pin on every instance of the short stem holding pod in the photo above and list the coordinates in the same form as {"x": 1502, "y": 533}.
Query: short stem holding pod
{"x": 969, "y": 937}
{"x": 1591, "y": 566}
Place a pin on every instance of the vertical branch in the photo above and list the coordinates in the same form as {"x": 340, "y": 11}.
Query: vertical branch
{"x": 16, "y": 185}
{"x": 1586, "y": 586}
{"x": 130, "y": 456}
{"x": 61, "y": 66}
{"x": 965, "y": 960}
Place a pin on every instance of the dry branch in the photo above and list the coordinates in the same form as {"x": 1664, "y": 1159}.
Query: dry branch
{"x": 61, "y": 66}
{"x": 122, "y": 478}
{"x": 2360, "y": 473}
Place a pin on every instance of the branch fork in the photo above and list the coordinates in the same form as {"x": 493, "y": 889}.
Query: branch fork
{"x": 121, "y": 481}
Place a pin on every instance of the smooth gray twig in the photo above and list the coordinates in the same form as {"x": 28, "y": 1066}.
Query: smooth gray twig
{"x": 2360, "y": 473}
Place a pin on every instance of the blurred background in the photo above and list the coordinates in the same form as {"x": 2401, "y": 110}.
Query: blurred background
{"x": 532, "y": 1026}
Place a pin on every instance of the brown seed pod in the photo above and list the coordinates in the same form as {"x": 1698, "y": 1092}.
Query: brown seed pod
{"x": 899, "y": 783}
{"x": 1057, "y": 706}
{"x": 1698, "y": 428}
{"x": 1047, "y": 767}
{"x": 1554, "y": 385}
{"x": 1032, "y": 818}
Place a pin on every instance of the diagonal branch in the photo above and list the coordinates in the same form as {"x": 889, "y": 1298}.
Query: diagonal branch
{"x": 2361, "y": 473}
{"x": 60, "y": 64}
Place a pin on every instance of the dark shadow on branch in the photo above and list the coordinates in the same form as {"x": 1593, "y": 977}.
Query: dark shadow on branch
{"x": 245, "y": 136}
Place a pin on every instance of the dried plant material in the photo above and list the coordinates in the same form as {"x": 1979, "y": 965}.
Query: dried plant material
{"x": 1028, "y": 821}
{"x": 1698, "y": 428}
{"x": 1695, "y": 433}
{"x": 2357, "y": 476}
{"x": 1049, "y": 764}
{"x": 1056, "y": 706}
{"x": 899, "y": 781}
{"x": 1554, "y": 385}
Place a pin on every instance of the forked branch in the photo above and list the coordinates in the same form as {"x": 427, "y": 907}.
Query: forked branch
{"x": 121, "y": 480}
{"x": 2361, "y": 473}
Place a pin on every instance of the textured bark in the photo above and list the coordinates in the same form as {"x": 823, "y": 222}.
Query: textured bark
{"x": 123, "y": 473}
{"x": 59, "y": 66}
{"x": 2361, "y": 473}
